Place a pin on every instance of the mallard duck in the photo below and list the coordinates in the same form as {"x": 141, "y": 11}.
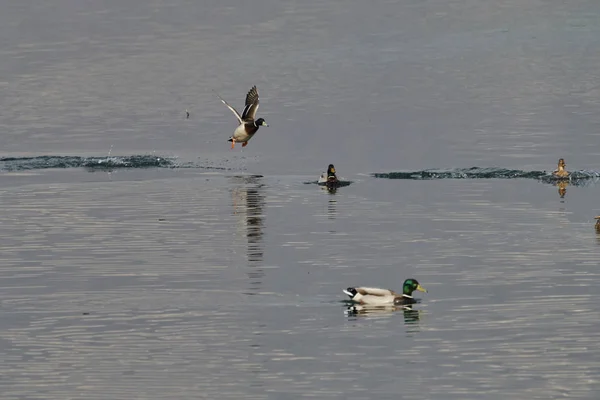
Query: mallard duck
{"x": 561, "y": 172}
{"x": 597, "y": 226}
{"x": 248, "y": 126}
{"x": 380, "y": 297}
{"x": 329, "y": 177}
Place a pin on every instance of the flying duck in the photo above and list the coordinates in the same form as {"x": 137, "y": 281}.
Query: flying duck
{"x": 248, "y": 126}
{"x": 381, "y": 297}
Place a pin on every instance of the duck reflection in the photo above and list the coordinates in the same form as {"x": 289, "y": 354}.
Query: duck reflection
{"x": 562, "y": 188}
{"x": 411, "y": 316}
{"x": 330, "y": 189}
{"x": 332, "y": 208}
{"x": 248, "y": 204}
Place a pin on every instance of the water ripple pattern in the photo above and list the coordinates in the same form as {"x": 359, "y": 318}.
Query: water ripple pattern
{"x": 212, "y": 285}
{"x": 11, "y": 164}
{"x": 488, "y": 173}
{"x": 48, "y": 162}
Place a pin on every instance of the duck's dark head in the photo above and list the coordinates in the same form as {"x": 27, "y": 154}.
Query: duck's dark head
{"x": 410, "y": 285}
{"x": 260, "y": 122}
{"x": 331, "y": 171}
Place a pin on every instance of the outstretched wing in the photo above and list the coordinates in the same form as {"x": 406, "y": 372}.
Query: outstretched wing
{"x": 251, "y": 104}
{"x": 231, "y": 108}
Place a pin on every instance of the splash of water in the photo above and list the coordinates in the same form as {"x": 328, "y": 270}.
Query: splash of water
{"x": 576, "y": 177}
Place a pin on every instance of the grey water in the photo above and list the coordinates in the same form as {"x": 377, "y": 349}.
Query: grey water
{"x": 140, "y": 257}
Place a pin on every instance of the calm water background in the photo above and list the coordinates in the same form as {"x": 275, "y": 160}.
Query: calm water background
{"x": 226, "y": 283}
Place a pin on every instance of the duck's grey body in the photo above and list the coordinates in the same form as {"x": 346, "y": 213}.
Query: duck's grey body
{"x": 380, "y": 297}
{"x": 377, "y": 297}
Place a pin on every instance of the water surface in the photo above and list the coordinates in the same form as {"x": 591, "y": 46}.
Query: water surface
{"x": 141, "y": 258}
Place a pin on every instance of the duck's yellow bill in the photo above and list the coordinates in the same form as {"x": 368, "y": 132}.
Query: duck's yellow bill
{"x": 421, "y": 289}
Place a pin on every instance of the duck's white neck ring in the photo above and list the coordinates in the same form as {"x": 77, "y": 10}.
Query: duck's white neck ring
{"x": 407, "y": 296}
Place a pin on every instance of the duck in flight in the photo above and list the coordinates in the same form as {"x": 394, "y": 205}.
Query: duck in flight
{"x": 248, "y": 126}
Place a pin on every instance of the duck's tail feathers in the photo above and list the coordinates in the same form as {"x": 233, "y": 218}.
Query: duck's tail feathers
{"x": 230, "y": 140}
{"x": 348, "y": 293}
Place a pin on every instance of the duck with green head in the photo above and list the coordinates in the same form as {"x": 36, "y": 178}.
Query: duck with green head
{"x": 329, "y": 178}
{"x": 378, "y": 297}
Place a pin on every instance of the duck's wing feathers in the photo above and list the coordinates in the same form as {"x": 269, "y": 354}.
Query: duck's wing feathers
{"x": 375, "y": 291}
{"x": 251, "y": 104}
{"x": 233, "y": 110}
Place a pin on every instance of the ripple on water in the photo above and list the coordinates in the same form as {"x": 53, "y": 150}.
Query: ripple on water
{"x": 231, "y": 287}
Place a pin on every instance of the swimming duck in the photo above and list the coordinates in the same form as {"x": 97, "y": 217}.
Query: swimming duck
{"x": 248, "y": 126}
{"x": 328, "y": 177}
{"x": 380, "y": 297}
{"x": 597, "y": 226}
{"x": 561, "y": 172}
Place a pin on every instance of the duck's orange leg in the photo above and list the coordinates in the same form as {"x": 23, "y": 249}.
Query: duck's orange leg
{"x": 244, "y": 144}
{"x": 232, "y": 143}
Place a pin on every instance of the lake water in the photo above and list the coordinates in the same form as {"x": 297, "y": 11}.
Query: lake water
{"x": 142, "y": 258}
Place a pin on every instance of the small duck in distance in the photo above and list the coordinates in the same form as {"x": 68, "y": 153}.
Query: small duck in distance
{"x": 597, "y": 226}
{"x": 561, "y": 172}
{"x": 381, "y": 297}
{"x": 248, "y": 126}
{"x": 328, "y": 177}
